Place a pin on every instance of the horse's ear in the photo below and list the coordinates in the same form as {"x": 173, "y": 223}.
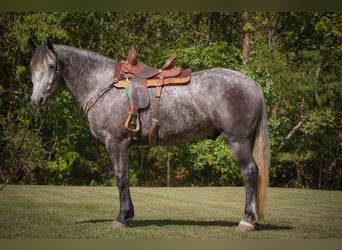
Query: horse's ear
{"x": 32, "y": 44}
{"x": 49, "y": 44}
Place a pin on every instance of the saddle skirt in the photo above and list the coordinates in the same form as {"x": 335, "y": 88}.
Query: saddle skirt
{"x": 139, "y": 77}
{"x": 181, "y": 77}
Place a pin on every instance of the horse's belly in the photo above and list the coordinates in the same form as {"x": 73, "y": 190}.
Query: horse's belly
{"x": 185, "y": 136}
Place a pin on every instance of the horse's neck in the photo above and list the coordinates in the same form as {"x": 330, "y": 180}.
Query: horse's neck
{"x": 84, "y": 73}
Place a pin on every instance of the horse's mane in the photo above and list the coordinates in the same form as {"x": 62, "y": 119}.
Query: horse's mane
{"x": 41, "y": 53}
{"x": 90, "y": 54}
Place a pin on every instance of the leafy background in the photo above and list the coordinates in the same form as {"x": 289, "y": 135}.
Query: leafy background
{"x": 296, "y": 57}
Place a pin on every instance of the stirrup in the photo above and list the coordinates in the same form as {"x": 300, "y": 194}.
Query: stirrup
{"x": 132, "y": 123}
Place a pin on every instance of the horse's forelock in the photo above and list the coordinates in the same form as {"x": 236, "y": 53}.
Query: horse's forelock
{"x": 39, "y": 57}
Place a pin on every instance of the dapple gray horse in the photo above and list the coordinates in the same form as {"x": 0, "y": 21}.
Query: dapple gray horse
{"x": 216, "y": 102}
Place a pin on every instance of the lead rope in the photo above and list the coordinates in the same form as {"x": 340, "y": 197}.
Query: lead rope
{"x": 22, "y": 142}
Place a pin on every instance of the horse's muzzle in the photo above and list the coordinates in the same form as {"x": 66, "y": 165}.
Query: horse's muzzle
{"x": 39, "y": 101}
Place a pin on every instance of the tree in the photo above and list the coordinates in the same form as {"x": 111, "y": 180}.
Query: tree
{"x": 294, "y": 56}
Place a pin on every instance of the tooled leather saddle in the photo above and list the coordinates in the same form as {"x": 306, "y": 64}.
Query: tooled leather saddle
{"x": 136, "y": 77}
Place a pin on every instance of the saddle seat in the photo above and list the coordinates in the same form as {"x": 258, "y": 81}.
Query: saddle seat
{"x": 136, "y": 77}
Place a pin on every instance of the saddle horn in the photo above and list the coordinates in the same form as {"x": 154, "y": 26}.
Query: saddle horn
{"x": 132, "y": 55}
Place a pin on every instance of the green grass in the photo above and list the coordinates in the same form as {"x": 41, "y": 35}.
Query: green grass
{"x": 59, "y": 212}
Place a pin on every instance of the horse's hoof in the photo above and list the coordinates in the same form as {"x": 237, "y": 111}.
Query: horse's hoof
{"x": 244, "y": 227}
{"x": 117, "y": 224}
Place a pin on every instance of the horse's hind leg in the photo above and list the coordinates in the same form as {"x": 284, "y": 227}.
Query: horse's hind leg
{"x": 243, "y": 155}
{"x": 119, "y": 154}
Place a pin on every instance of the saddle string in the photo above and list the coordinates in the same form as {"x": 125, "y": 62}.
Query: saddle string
{"x": 155, "y": 122}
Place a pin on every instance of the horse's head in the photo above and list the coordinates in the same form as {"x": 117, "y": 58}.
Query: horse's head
{"x": 45, "y": 72}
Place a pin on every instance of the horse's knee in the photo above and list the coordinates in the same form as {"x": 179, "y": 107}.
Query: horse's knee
{"x": 121, "y": 181}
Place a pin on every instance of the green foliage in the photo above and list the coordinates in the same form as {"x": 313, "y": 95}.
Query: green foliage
{"x": 214, "y": 164}
{"x": 201, "y": 56}
{"x": 299, "y": 81}
{"x": 24, "y": 157}
{"x": 329, "y": 29}
{"x": 294, "y": 56}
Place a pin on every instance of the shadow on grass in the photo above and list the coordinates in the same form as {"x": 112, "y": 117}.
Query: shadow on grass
{"x": 170, "y": 222}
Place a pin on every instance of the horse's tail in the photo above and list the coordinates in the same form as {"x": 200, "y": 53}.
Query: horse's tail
{"x": 262, "y": 157}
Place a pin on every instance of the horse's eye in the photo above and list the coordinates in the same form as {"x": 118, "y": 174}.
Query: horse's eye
{"x": 51, "y": 67}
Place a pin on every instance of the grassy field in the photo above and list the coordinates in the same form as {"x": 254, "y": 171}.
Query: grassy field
{"x": 59, "y": 212}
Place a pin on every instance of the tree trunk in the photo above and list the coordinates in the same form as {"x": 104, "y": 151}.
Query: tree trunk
{"x": 168, "y": 171}
{"x": 246, "y": 39}
{"x": 208, "y": 34}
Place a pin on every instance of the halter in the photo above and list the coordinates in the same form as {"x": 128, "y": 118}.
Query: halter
{"x": 57, "y": 75}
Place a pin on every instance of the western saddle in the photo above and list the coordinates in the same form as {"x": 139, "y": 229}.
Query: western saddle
{"x": 136, "y": 77}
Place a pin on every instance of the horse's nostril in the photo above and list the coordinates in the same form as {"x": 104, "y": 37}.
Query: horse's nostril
{"x": 41, "y": 101}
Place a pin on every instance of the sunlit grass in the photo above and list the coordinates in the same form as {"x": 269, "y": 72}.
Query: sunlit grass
{"x": 165, "y": 213}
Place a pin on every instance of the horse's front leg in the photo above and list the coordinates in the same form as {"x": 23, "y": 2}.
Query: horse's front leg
{"x": 119, "y": 154}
